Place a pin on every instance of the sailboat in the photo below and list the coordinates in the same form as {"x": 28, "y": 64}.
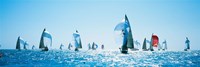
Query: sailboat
{"x": 77, "y": 41}
{"x": 25, "y": 45}
{"x": 33, "y": 47}
{"x": 61, "y": 46}
{"x": 94, "y": 46}
{"x": 125, "y": 28}
{"x": 89, "y": 46}
{"x": 187, "y": 44}
{"x": 45, "y": 40}
{"x": 144, "y": 47}
{"x": 154, "y": 42}
{"x": 164, "y": 45}
{"x": 21, "y": 44}
{"x": 69, "y": 46}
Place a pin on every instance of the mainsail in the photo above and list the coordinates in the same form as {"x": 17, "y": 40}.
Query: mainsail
{"x": 125, "y": 29}
{"x": 144, "y": 47}
{"x": 45, "y": 34}
{"x": 77, "y": 40}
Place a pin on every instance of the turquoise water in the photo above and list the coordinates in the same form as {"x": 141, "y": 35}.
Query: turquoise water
{"x": 98, "y": 58}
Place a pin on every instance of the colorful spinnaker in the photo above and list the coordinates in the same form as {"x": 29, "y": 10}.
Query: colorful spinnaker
{"x": 154, "y": 42}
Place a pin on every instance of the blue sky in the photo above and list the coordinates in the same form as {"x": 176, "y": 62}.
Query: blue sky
{"x": 172, "y": 20}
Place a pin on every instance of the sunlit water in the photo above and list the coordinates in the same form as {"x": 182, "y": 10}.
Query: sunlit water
{"x": 98, "y": 58}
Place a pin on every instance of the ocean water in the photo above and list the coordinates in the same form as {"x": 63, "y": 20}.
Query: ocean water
{"x": 99, "y": 58}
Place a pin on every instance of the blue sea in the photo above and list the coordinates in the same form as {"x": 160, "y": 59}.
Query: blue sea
{"x": 99, "y": 58}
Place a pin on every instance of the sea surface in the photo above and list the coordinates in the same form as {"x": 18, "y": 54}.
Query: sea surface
{"x": 99, "y": 58}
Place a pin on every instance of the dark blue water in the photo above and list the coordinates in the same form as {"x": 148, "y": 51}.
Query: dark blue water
{"x": 98, "y": 58}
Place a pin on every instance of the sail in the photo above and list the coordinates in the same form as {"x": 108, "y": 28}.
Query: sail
{"x": 125, "y": 28}
{"x": 61, "y": 46}
{"x": 26, "y": 45}
{"x": 20, "y": 43}
{"x": 77, "y": 40}
{"x": 155, "y": 41}
{"x": 144, "y": 45}
{"x": 164, "y": 45}
{"x": 94, "y": 46}
{"x": 69, "y": 46}
{"x": 130, "y": 43}
{"x": 187, "y": 43}
{"x": 45, "y": 34}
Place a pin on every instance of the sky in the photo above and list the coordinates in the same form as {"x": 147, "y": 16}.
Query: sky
{"x": 171, "y": 20}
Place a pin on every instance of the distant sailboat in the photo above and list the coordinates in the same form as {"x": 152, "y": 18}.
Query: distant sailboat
{"x": 144, "y": 47}
{"x": 89, "y": 46}
{"x": 164, "y": 45}
{"x": 33, "y": 47}
{"x": 61, "y": 46}
{"x": 102, "y": 46}
{"x": 187, "y": 44}
{"x": 45, "y": 40}
{"x": 69, "y": 46}
{"x": 21, "y": 44}
{"x": 125, "y": 29}
{"x": 77, "y": 41}
{"x": 94, "y": 46}
{"x": 154, "y": 42}
{"x": 26, "y": 45}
